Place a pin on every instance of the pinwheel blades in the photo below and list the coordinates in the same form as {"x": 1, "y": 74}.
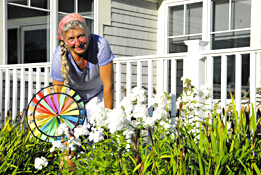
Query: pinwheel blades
{"x": 51, "y": 107}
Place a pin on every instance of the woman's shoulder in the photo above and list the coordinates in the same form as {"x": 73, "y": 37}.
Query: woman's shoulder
{"x": 101, "y": 40}
{"x": 57, "y": 52}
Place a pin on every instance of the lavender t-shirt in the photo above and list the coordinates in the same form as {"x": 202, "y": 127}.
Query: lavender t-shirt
{"x": 87, "y": 83}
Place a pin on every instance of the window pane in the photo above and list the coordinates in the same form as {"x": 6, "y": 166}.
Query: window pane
{"x": 241, "y": 10}
{"x": 178, "y": 78}
{"x": 220, "y": 15}
{"x": 177, "y": 45}
{"x": 33, "y": 33}
{"x": 85, "y": 8}
{"x": 217, "y": 78}
{"x": 230, "y": 40}
{"x": 35, "y": 50}
{"x": 23, "y": 2}
{"x": 176, "y": 18}
{"x": 40, "y": 3}
{"x": 66, "y": 6}
{"x": 230, "y": 75}
{"x": 15, "y": 12}
{"x": 194, "y": 18}
{"x": 12, "y": 46}
{"x": 245, "y": 72}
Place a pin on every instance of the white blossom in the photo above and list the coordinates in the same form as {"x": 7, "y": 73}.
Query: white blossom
{"x": 140, "y": 111}
{"x": 99, "y": 116}
{"x": 73, "y": 142}
{"x": 206, "y": 91}
{"x": 80, "y": 131}
{"x": 117, "y": 120}
{"x": 62, "y": 129}
{"x": 138, "y": 95}
{"x": 59, "y": 145}
{"x": 39, "y": 163}
{"x": 127, "y": 104}
{"x": 96, "y": 135}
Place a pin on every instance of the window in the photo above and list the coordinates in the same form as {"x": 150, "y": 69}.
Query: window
{"x": 230, "y": 23}
{"x": 184, "y": 23}
{"x": 29, "y": 27}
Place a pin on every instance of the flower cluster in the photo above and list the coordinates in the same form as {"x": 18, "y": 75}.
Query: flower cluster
{"x": 62, "y": 129}
{"x": 80, "y": 131}
{"x": 59, "y": 145}
{"x": 39, "y": 163}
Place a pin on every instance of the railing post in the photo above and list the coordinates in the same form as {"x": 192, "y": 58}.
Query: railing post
{"x": 194, "y": 67}
{"x": 194, "y": 64}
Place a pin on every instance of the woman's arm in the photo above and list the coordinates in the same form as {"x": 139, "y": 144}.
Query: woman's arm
{"x": 107, "y": 77}
{"x": 57, "y": 82}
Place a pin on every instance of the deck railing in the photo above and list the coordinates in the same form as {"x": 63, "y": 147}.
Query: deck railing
{"x": 155, "y": 73}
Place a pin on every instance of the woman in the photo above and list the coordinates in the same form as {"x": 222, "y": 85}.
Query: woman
{"x": 83, "y": 61}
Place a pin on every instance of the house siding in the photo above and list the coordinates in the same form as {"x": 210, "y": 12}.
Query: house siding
{"x": 133, "y": 29}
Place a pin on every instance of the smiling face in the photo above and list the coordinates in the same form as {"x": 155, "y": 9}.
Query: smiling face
{"x": 77, "y": 40}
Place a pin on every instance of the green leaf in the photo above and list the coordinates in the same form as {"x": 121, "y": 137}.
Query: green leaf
{"x": 136, "y": 168}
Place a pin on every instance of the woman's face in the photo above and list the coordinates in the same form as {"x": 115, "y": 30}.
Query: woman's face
{"x": 77, "y": 40}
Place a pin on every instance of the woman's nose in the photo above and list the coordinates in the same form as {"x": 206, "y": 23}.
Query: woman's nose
{"x": 77, "y": 42}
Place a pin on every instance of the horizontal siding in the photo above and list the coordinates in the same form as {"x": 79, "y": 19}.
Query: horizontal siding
{"x": 133, "y": 29}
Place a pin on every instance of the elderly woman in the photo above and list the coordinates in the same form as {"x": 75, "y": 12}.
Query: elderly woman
{"x": 83, "y": 61}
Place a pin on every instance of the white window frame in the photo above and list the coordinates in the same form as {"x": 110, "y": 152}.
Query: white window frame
{"x": 184, "y": 3}
{"x": 53, "y": 10}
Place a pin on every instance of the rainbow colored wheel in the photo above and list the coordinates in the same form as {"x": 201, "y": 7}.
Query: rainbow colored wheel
{"x": 51, "y": 107}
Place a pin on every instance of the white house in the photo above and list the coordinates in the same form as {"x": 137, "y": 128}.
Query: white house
{"x": 155, "y": 42}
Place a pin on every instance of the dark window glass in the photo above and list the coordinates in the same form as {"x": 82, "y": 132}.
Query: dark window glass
{"x": 245, "y": 72}
{"x": 177, "y": 45}
{"x": 230, "y": 75}
{"x": 32, "y": 28}
{"x": 12, "y": 47}
{"x": 40, "y": 3}
{"x": 85, "y": 8}
{"x": 66, "y": 6}
{"x": 220, "y": 15}
{"x": 230, "y": 40}
{"x": 22, "y": 2}
{"x": 35, "y": 50}
{"x": 217, "y": 78}
{"x": 20, "y": 12}
{"x": 176, "y": 20}
{"x": 179, "y": 75}
{"x": 193, "y": 19}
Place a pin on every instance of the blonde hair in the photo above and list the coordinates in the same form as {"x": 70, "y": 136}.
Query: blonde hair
{"x": 64, "y": 61}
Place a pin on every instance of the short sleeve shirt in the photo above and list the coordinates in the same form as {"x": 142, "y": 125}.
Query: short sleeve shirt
{"x": 87, "y": 83}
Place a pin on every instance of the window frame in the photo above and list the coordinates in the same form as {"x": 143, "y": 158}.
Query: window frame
{"x": 53, "y": 32}
{"x": 184, "y": 3}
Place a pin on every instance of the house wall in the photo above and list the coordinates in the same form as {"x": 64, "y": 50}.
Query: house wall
{"x": 133, "y": 28}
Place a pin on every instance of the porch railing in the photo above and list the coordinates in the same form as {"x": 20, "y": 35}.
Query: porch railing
{"x": 157, "y": 72}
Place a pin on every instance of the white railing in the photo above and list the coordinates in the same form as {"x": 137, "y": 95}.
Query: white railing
{"x": 157, "y": 72}
{"x": 238, "y": 52}
{"x": 19, "y": 83}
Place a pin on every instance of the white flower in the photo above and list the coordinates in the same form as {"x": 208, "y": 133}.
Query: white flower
{"x": 149, "y": 121}
{"x": 159, "y": 114}
{"x": 99, "y": 116}
{"x": 96, "y": 135}
{"x": 117, "y": 121}
{"x": 139, "y": 111}
{"x": 127, "y": 104}
{"x": 73, "y": 142}
{"x": 206, "y": 91}
{"x": 39, "y": 163}
{"x": 62, "y": 129}
{"x": 59, "y": 145}
{"x": 161, "y": 101}
{"x": 138, "y": 95}
{"x": 80, "y": 131}
{"x": 128, "y": 133}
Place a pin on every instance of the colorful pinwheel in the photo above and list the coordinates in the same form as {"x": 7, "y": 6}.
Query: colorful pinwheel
{"x": 51, "y": 107}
